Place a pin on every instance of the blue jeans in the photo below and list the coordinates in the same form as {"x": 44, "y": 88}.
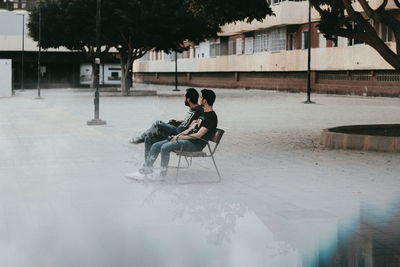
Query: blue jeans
{"x": 165, "y": 147}
{"x": 158, "y": 131}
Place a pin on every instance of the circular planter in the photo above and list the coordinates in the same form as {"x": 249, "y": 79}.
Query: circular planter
{"x": 379, "y": 137}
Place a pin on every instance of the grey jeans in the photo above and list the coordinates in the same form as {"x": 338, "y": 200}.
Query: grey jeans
{"x": 157, "y": 132}
{"x": 165, "y": 147}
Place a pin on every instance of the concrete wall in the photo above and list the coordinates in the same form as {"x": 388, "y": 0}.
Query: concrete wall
{"x": 5, "y": 78}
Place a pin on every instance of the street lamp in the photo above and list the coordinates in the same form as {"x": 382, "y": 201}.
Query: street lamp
{"x": 308, "y": 101}
{"x": 176, "y": 72}
{"x": 39, "y": 51}
{"x": 97, "y": 120}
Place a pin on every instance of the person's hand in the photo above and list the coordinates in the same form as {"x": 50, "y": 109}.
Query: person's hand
{"x": 193, "y": 124}
{"x": 174, "y": 138}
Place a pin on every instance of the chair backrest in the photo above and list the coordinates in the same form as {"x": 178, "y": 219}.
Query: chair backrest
{"x": 216, "y": 138}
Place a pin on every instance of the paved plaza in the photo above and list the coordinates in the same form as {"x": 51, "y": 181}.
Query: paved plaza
{"x": 283, "y": 199}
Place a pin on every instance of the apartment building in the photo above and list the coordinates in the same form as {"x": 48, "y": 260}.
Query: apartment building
{"x": 273, "y": 55}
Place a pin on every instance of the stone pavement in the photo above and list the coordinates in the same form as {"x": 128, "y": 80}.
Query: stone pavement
{"x": 283, "y": 199}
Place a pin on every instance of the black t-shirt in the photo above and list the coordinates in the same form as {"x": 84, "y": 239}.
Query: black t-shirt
{"x": 209, "y": 120}
{"x": 193, "y": 114}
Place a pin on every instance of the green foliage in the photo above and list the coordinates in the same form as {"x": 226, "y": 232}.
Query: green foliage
{"x": 160, "y": 24}
{"x": 69, "y": 23}
{"x": 227, "y": 11}
{"x": 134, "y": 27}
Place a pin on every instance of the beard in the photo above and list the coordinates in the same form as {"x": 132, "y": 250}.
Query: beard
{"x": 187, "y": 103}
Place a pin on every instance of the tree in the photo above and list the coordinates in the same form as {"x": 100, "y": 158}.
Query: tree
{"x": 70, "y": 24}
{"x": 342, "y": 18}
{"x": 134, "y": 27}
{"x": 228, "y": 11}
{"x": 142, "y": 25}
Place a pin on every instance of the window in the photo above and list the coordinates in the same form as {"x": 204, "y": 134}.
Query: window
{"x": 259, "y": 42}
{"x": 342, "y": 41}
{"x": 213, "y": 48}
{"x": 270, "y": 40}
{"x": 355, "y": 41}
{"x": 385, "y": 33}
{"x": 304, "y": 40}
{"x": 169, "y": 57}
{"x": 249, "y": 45}
{"x": 322, "y": 40}
{"x": 223, "y": 48}
{"x": 239, "y": 46}
{"x": 291, "y": 42}
{"x": 277, "y": 39}
{"x": 231, "y": 47}
{"x": 114, "y": 76}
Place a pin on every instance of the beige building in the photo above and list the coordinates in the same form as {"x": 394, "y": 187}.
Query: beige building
{"x": 273, "y": 55}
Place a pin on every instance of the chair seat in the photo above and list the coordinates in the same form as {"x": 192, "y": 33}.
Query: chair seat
{"x": 193, "y": 154}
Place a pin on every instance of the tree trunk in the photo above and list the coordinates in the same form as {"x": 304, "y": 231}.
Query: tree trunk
{"x": 126, "y": 72}
{"x": 388, "y": 55}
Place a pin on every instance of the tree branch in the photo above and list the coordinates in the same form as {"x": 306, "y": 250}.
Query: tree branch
{"x": 383, "y": 5}
{"x": 349, "y": 8}
{"x": 368, "y": 10}
{"x": 317, "y": 7}
{"x": 351, "y": 34}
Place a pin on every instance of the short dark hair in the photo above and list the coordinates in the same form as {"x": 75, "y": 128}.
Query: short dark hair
{"x": 208, "y": 95}
{"x": 192, "y": 94}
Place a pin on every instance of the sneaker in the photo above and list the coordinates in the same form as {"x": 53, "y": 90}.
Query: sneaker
{"x": 136, "y": 140}
{"x": 163, "y": 172}
{"x": 155, "y": 177}
{"x": 137, "y": 176}
{"x": 145, "y": 170}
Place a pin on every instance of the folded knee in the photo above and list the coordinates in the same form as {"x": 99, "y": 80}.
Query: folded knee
{"x": 165, "y": 148}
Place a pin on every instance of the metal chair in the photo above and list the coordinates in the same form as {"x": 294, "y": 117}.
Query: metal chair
{"x": 216, "y": 138}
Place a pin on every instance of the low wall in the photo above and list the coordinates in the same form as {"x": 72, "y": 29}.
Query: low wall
{"x": 367, "y": 83}
{"x": 385, "y": 137}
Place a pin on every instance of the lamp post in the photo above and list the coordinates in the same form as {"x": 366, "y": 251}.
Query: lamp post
{"x": 176, "y": 72}
{"x": 39, "y": 52}
{"x": 97, "y": 120}
{"x": 308, "y": 101}
{"x": 23, "y": 51}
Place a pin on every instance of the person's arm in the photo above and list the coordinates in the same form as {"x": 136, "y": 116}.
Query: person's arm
{"x": 183, "y": 136}
{"x": 176, "y": 121}
{"x": 192, "y": 126}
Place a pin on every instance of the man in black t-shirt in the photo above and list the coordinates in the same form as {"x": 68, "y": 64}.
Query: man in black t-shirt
{"x": 160, "y": 130}
{"x": 189, "y": 140}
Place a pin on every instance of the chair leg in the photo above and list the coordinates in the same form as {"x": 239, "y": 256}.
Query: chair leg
{"x": 215, "y": 165}
{"x": 187, "y": 163}
{"x": 179, "y": 165}
{"x": 177, "y": 169}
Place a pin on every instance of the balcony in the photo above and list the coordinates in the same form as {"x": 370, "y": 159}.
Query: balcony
{"x": 284, "y": 15}
{"x": 360, "y": 57}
